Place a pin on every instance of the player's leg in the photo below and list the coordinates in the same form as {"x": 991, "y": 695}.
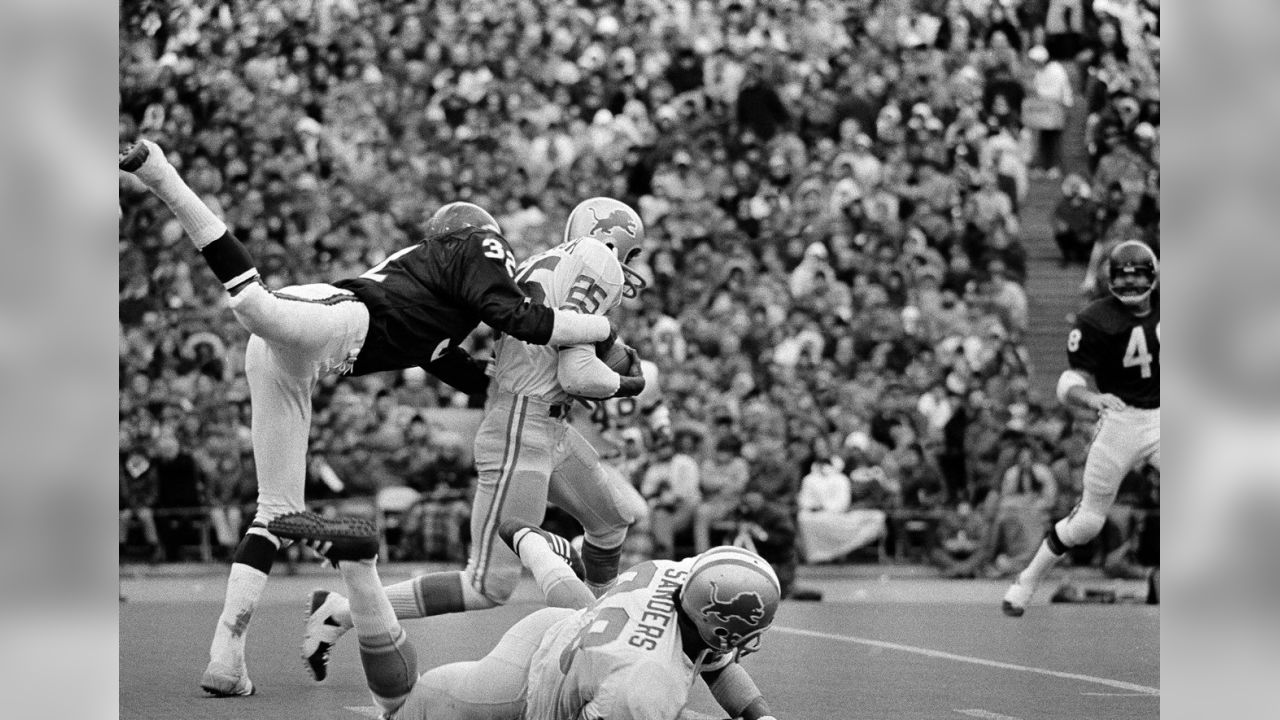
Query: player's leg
{"x": 389, "y": 660}
{"x": 1113, "y": 453}
{"x": 280, "y": 424}
{"x": 555, "y": 565}
{"x": 226, "y": 257}
{"x": 600, "y": 498}
{"x": 513, "y": 458}
{"x": 303, "y": 319}
{"x": 495, "y": 687}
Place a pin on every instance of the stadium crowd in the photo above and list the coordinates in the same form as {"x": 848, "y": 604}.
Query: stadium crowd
{"x": 833, "y": 196}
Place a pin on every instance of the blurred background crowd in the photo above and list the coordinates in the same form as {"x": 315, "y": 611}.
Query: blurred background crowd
{"x": 836, "y": 198}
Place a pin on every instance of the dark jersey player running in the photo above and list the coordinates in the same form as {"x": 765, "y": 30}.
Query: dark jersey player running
{"x": 1113, "y": 354}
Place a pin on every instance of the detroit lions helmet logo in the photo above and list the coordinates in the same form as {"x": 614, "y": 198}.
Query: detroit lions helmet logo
{"x": 615, "y": 220}
{"x": 747, "y": 607}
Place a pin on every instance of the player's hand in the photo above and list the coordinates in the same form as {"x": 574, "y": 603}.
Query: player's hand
{"x": 630, "y": 385}
{"x": 602, "y": 347}
{"x": 1105, "y": 402}
{"x": 633, "y": 358}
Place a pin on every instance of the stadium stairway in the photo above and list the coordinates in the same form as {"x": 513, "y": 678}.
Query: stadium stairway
{"x": 1053, "y": 292}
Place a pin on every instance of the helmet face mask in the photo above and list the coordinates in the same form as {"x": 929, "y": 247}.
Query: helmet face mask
{"x": 731, "y": 597}
{"x": 459, "y": 216}
{"x": 1132, "y": 272}
{"x": 615, "y": 224}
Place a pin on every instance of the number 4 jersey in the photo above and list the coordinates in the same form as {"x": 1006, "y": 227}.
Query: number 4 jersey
{"x": 1120, "y": 350}
{"x": 621, "y": 657}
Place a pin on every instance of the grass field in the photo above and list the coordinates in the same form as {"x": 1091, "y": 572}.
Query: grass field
{"x": 878, "y": 648}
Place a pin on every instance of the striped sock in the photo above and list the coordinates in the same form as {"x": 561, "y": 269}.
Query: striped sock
{"x": 428, "y": 595}
{"x": 390, "y": 662}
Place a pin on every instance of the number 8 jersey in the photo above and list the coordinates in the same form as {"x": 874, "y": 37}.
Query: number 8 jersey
{"x": 621, "y": 657}
{"x": 1120, "y": 350}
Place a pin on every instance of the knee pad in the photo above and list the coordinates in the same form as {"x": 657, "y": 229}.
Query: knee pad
{"x": 1079, "y": 527}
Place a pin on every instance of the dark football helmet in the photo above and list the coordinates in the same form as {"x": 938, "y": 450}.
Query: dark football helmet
{"x": 458, "y": 216}
{"x": 1132, "y": 272}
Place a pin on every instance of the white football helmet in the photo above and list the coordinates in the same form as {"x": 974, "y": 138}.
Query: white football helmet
{"x": 731, "y": 596}
{"x": 615, "y": 224}
{"x": 590, "y": 279}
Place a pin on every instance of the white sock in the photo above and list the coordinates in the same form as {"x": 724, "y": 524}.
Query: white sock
{"x": 559, "y": 585}
{"x": 244, "y": 587}
{"x": 1043, "y": 561}
{"x": 200, "y": 222}
{"x": 370, "y": 610}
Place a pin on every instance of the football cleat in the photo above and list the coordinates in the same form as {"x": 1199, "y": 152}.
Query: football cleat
{"x": 1015, "y": 600}
{"x": 222, "y": 684}
{"x": 731, "y": 596}
{"x": 132, "y": 158}
{"x": 509, "y": 531}
{"x": 337, "y": 539}
{"x": 1132, "y": 272}
{"x": 321, "y": 633}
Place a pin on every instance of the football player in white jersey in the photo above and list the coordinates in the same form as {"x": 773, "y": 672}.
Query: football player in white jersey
{"x": 526, "y": 451}
{"x": 632, "y": 654}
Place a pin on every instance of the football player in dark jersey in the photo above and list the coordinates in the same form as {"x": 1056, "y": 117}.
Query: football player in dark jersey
{"x": 412, "y": 309}
{"x": 1113, "y": 357}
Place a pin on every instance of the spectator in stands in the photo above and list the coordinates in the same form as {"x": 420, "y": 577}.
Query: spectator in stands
{"x": 722, "y": 479}
{"x": 670, "y": 485}
{"x": 961, "y": 536}
{"x": 1028, "y": 492}
{"x": 180, "y": 497}
{"x": 437, "y": 527}
{"x": 829, "y": 527}
{"x": 1045, "y": 109}
{"x": 137, "y": 496}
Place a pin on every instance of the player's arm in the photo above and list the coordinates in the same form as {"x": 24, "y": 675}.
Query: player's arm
{"x": 490, "y": 288}
{"x": 583, "y": 374}
{"x": 460, "y": 370}
{"x": 737, "y": 693}
{"x": 1077, "y": 386}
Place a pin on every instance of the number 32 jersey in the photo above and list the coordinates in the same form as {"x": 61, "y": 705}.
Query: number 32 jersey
{"x": 426, "y": 297}
{"x": 1120, "y": 350}
{"x": 620, "y": 658}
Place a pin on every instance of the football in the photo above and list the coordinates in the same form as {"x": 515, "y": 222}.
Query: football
{"x": 618, "y": 359}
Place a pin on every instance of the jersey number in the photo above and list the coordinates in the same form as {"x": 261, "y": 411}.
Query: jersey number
{"x": 585, "y": 295}
{"x": 494, "y": 249}
{"x": 1073, "y": 340}
{"x": 604, "y": 629}
{"x": 1137, "y": 355}
{"x": 375, "y": 273}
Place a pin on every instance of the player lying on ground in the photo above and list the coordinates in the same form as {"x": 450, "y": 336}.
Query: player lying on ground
{"x": 1113, "y": 353}
{"x": 410, "y": 310}
{"x": 526, "y": 451}
{"x": 632, "y": 654}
